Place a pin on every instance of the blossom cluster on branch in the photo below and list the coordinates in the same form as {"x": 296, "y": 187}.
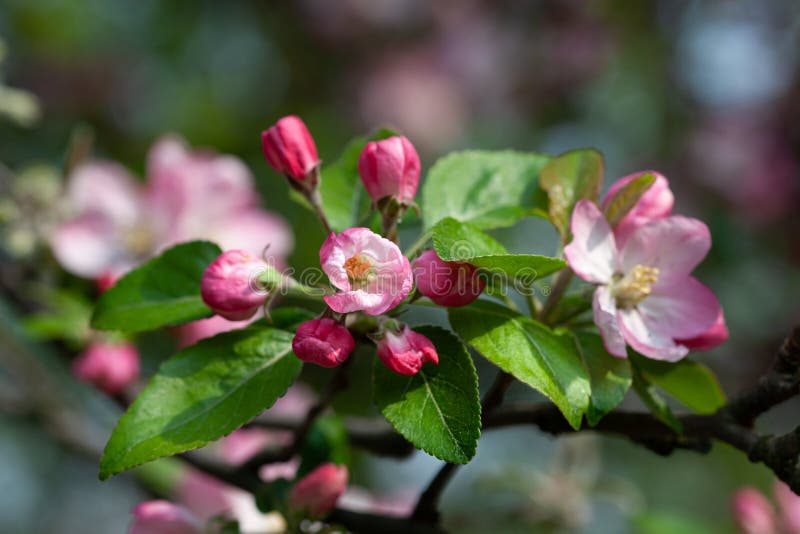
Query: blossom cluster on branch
{"x": 247, "y": 324}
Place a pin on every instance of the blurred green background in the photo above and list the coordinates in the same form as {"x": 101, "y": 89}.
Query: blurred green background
{"x": 706, "y": 92}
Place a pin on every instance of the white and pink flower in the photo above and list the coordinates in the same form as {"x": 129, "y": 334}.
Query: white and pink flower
{"x": 645, "y": 297}
{"x": 657, "y": 203}
{"x": 117, "y": 223}
{"x": 370, "y": 272}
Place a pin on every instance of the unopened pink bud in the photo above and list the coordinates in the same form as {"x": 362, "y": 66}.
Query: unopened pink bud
{"x": 753, "y": 512}
{"x": 447, "y": 283}
{"x": 111, "y": 367}
{"x": 323, "y": 341}
{"x": 290, "y": 149}
{"x": 390, "y": 168}
{"x": 317, "y": 492}
{"x": 163, "y": 517}
{"x": 405, "y": 352}
{"x": 229, "y": 285}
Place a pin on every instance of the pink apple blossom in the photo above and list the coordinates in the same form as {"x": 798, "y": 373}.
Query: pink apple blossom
{"x": 657, "y": 203}
{"x": 447, "y": 283}
{"x": 369, "y": 270}
{"x": 229, "y": 285}
{"x": 405, "y": 351}
{"x": 118, "y": 224}
{"x": 390, "y": 168}
{"x": 111, "y": 367}
{"x": 323, "y": 341}
{"x": 207, "y": 497}
{"x": 163, "y": 517}
{"x": 645, "y": 295}
{"x": 753, "y": 512}
{"x": 789, "y": 506}
{"x": 316, "y": 494}
{"x": 290, "y": 149}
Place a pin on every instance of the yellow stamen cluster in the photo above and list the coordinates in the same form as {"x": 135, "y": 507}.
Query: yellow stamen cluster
{"x": 358, "y": 269}
{"x": 139, "y": 240}
{"x": 631, "y": 289}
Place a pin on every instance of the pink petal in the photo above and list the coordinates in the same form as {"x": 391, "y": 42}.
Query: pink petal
{"x": 88, "y": 246}
{"x": 682, "y": 307}
{"x": 105, "y": 188}
{"x": 675, "y": 245}
{"x": 605, "y": 317}
{"x": 592, "y": 254}
{"x": 656, "y": 203}
{"x": 789, "y": 504}
{"x": 711, "y": 338}
{"x": 646, "y": 338}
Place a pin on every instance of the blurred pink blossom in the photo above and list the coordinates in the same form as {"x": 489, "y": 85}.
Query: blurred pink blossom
{"x": 206, "y": 497}
{"x": 188, "y": 195}
{"x": 163, "y": 517}
{"x": 397, "y": 504}
{"x": 111, "y": 367}
{"x": 754, "y": 514}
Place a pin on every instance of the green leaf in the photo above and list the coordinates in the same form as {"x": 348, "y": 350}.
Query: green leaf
{"x": 456, "y": 241}
{"x": 489, "y": 189}
{"x": 545, "y": 360}
{"x": 568, "y": 178}
{"x": 627, "y": 197}
{"x": 610, "y": 376}
{"x": 691, "y": 383}
{"x": 165, "y": 291}
{"x": 655, "y": 402}
{"x": 344, "y": 198}
{"x": 438, "y": 409}
{"x": 202, "y": 393}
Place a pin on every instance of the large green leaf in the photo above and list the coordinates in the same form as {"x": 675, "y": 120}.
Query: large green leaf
{"x": 489, "y": 189}
{"x": 165, "y": 291}
{"x": 204, "y": 392}
{"x": 457, "y": 241}
{"x": 610, "y": 376}
{"x": 568, "y": 178}
{"x": 438, "y": 409}
{"x": 344, "y": 198}
{"x": 545, "y": 360}
{"x": 691, "y": 383}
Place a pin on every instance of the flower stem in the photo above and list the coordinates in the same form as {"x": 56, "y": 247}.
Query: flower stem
{"x": 559, "y": 288}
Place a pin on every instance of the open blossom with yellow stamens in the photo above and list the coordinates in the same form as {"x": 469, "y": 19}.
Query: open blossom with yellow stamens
{"x": 645, "y": 297}
{"x": 370, "y": 272}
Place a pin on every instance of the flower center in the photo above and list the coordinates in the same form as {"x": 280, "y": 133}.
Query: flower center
{"x": 138, "y": 240}
{"x": 629, "y": 290}
{"x": 358, "y": 269}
